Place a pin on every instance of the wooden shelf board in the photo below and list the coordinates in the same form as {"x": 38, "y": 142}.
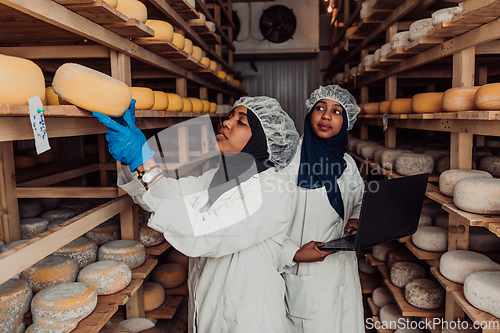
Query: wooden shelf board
{"x": 122, "y": 297}
{"x": 205, "y": 33}
{"x": 422, "y": 254}
{"x": 373, "y": 308}
{"x": 369, "y": 282}
{"x": 449, "y": 29}
{"x": 384, "y": 62}
{"x": 474, "y": 314}
{"x": 373, "y": 261}
{"x": 423, "y": 44}
{"x": 404, "y": 239}
{"x": 181, "y": 290}
{"x": 463, "y": 115}
{"x": 475, "y": 220}
{"x": 447, "y": 284}
{"x": 158, "y": 249}
{"x": 159, "y": 46}
{"x": 167, "y": 309}
{"x": 143, "y": 271}
{"x": 435, "y": 194}
{"x": 409, "y": 310}
{"x": 379, "y": 14}
{"x": 384, "y": 270}
{"x": 207, "y": 74}
{"x": 97, "y": 319}
{"x": 399, "y": 53}
{"x": 97, "y": 11}
{"x": 189, "y": 63}
{"x": 130, "y": 29}
{"x": 366, "y": 26}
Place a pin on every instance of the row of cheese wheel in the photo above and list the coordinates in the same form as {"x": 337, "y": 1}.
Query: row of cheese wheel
{"x": 486, "y": 97}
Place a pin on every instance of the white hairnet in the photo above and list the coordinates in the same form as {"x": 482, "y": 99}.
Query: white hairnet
{"x": 340, "y": 95}
{"x": 279, "y": 128}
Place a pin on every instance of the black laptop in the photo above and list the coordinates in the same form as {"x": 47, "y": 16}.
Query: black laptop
{"x": 390, "y": 210}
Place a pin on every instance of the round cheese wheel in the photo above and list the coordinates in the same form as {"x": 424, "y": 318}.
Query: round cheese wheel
{"x": 477, "y": 155}
{"x": 188, "y": 46}
{"x": 91, "y": 90}
{"x": 488, "y": 97}
{"x": 150, "y": 237}
{"x": 112, "y": 3}
{"x": 339, "y": 77}
{"x": 361, "y": 67}
{"x": 377, "y": 155}
{"x": 414, "y": 164}
{"x": 445, "y": 14}
{"x": 362, "y": 144}
{"x": 377, "y": 55}
{"x": 24, "y": 162}
{"x": 353, "y": 71}
{"x": 400, "y": 40}
{"x": 385, "y": 49}
{"x": 389, "y": 156}
{"x": 175, "y": 256}
{"x": 161, "y": 101}
{"x": 371, "y": 108}
{"x": 134, "y": 325}
{"x": 442, "y": 221}
{"x": 436, "y": 154}
{"x": 424, "y": 220}
{"x": 162, "y": 29}
{"x": 15, "y": 298}
{"x": 482, "y": 240}
{"x": 430, "y": 238}
{"x": 51, "y": 97}
{"x": 390, "y": 315}
{"x": 211, "y": 26}
{"x": 491, "y": 164}
{"x": 144, "y": 98}
{"x": 178, "y": 40}
{"x": 399, "y": 255}
{"x": 419, "y": 29}
{"x": 424, "y": 294}
{"x": 380, "y": 251}
{"x": 105, "y": 232}
{"x": 206, "y": 106}
{"x": 131, "y": 252}
{"x": 106, "y": 276}
{"x": 57, "y": 214}
{"x": 175, "y": 102}
{"x": 200, "y": 20}
{"x": 404, "y": 272}
{"x": 457, "y": 265}
{"x": 478, "y": 195}
{"x": 197, "y": 53}
{"x": 56, "y": 223}
{"x": 351, "y": 143}
{"x": 213, "y": 107}
{"x": 134, "y": 9}
{"x": 170, "y": 275}
{"x": 400, "y": 106}
{"x": 20, "y": 80}
{"x": 369, "y": 60}
{"x": 444, "y": 164}
{"x": 205, "y": 62}
{"x": 82, "y": 250}
{"x": 449, "y": 178}
{"x": 366, "y": 8}
{"x": 29, "y": 208}
{"x": 430, "y": 102}
{"x": 482, "y": 290}
{"x": 222, "y": 75}
{"x": 431, "y": 208}
{"x": 59, "y": 308}
{"x": 33, "y": 227}
{"x": 385, "y": 107}
{"x": 197, "y": 104}
{"x": 368, "y": 151}
{"x": 382, "y": 296}
{"x": 213, "y": 65}
{"x": 365, "y": 266}
{"x": 460, "y": 99}
{"x": 77, "y": 205}
{"x": 154, "y": 295}
{"x": 11, "y": 245}
{"x": 50, "y": 271}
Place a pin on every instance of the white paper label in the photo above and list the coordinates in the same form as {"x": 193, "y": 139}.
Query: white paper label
{"x": 385, "y": 122}
{"x": 38, "y": 124}
{"x": 346, "y": 44}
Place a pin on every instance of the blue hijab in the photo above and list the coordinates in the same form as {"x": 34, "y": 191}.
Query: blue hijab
{"x": 327, "y": 155}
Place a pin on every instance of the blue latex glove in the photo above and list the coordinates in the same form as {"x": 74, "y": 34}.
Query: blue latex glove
{"x": 126, "y": 143}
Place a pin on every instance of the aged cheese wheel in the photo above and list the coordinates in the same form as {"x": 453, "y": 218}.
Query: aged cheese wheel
{"x": 399, "y": 255}
{"x": 371, "y": 108}
{"x": 430, "y": 102}
{"x": 353, "y": 71}
{"x": 377, "y": 155}
{"x": 399, "y": 40}
{"x": 488, "y": 97}
{"x": 368, "y": 151}
{"x": 57, "y": 214}
{"x": 390, "y": 315}
{"x": 361, "y": 67}
{"x": 491, "y": 164}
{"x": 213, "y": 65}
{"x": 188, "y": 46}
{"x": 150, "y": 237}
{"x": 197, "y": 53}
{"x": 134, "y": 325}
{"x": 384, "y": 107}
{"x": 131, "y": 252}
{"x": 431, "y": 208}
{"x": 161, "y": 101}
{"x": 382, "y": 296}
{"x": 430, "y": 238}
{"x": 10, "y": 245}
{"x": 377, "y": 55}
{"x": 222, "y": 75}
{"x": 414, "y": 164}
{"x": 478, "y": 195}
{"x": 380, "y": 251}
{"x": 59, "y": 308}
{"x": 457, "y": 265}
{"x": 482, "y": 290}
{"x": 112, "y": 3}
{"x": 163, "y": 30}
{"x": 82, "y": 250}
{"x": 175, "y": 102}
{"x": 365, "y": 266}
{"x": 449, "y": 178}
{"x": 20, "y": 80}
{"x": 206, "y": 106}
{"x": 24, "y": 162}
{"x": 154, "y": 295}
{"x": 460, "y": 99}
{"x": 362, "y": 144}
{"x": 366, "y": 8}
{"x": 170, "y": 275}
{"x": 369, "y": 60}
{"x": 106, "y": 276}
{"x": 385, "y": 49}
{"x": 144, "y": 98}
{"x": 205, "y": 62}
{"x": 29, "y": 208}
{"x": 200, "y": 20}
{"x": 210, "y": 25}
{"x": 178, "y": 40}
{"x": 483, "y": 240}
{"x": 51, "y": 97}
{"x": 15, "y": 298}
{"x": 175, "y": 256}
{"x": 444, "y": 164}
{"x": 445, "y": 14}
{"x": 401, "y": 105}
{"x": 424, "y": 294}
{"x": 389, "y": 156}
{"x": 32, "y": 227}
{"x": 352, "y": 141}
{"x": 188, "y": 105}
{"x": 436, "y": 154}
{"x": 91, "y": 90}
{"x": 77, "y": 205}
{"x": 134, "y": 9}
{"x": 404, "y": 272}
{"x": 50, "y": 271}
{"x": 213, "y": 107}
{"x": 419, "y": 29}
{"x": 197, "y": 104}
{"x": 477, "y": 155}
{"x": 424, "y": 220}
{"x": 442, "y": 220}
{"x": 105, "y": 232}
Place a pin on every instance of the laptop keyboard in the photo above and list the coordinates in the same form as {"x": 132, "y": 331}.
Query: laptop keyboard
{"x": 346, "y": 242}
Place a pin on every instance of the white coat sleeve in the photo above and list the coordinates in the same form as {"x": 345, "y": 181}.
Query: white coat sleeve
{"x": 357, "y": 192}
{"x": 289, "y": 248}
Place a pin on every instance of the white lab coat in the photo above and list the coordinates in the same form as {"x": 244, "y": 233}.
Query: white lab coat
{"x": 234, "y": 283}
{"x": 324, "y": 296}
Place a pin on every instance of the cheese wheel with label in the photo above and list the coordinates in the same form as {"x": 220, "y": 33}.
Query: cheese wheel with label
{"x": 144, "y": 98}
{"x": 162, "y": 29}
{"x": 29, "y": 208}
{"x": 431, "y": 238}
{"x": 371, "y": 108}
{"x": 488, "y": 97}
{"x": 419, "y": 29}
{"x": 188, "y": 46}
{"x": 460, "y": 99}
{"x": 197, "y": 104}
{"x": 154, "y": 295}
{"x": 205, "y": 62}
{"x": 161, "y": 101}
{"x": 449, "y": 178}
{"x": 105, "y": 232}
{"x": 50, "y": 271}
{"x": 106, "y": 276}
{"x": 457, "y": 265}
{"x": 170, "y": 275}
{"x": 15, "y": 298}
{"x": 404, "y": 272}
{"x": 188, "y": 105}
{"x": 400, "y": 106}
{"x": 33, "y": 227}
{"x": 197, "y": 53}
{"x": 91, "y": 90}
{"x": 478, "y": 195}
{"x": 213, "y": 65}
{"x": 82, "y": 250}
{"x": 178, "y": 40}
{"x": 213, "y": 107}
{"x": 175, "y": 102}
{"x": 400, "y": 40}
{"x": 482, "y": 290}
{"x": 431, "y": 102}
{"x": 134, "y": 9}
{"x": 131, "y": 252}
{"x": 20, "y": 79}
{"x": 385, "y": 107}
{"x": 424, "y": 294}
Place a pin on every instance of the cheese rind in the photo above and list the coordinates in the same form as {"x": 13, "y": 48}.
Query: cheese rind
{"x": 15, "y": 298}
{"x": 478, "y": 195}
{"x": 381, "y": 251}
{"x": 384, "y": 107}
{"x": 188, "y": 105}
{"x": 150, "y": 237}
{"x": 170, "y": 275}
{"x": 382, "y": 296}
{"x": 154, "y": 295}
{"x": 371, "y": 108}
{"x": 200, "y": 20}
{"x": 82, "y": 250}
{"x": 213, "y": 107}
{"x": 213, "y": 65}
{"x": 105, "y": 232}
{"x": 162, "y": 29}
{"x": 197, "y": 104}
{"x": 385, "y": 49}
{"x": 33, "y": 227}
{"x": 490, "y": 164}
{"x": 50, "y": 271}
{"x": 131, "y": 252}
{"x": 206, "y": 106}
{"x": 460, "y": 99}
{"x": 404, "y": 272}
{"x": 161, "y": 101}
{"x": 401, "y": 105}
{"x": 197, "y": 53}
{"x": 144, "y": 98}
{"x": 431, "y": 102}
{"x": 29, "y": 208}
{"x": 178, "y": 40}
{"x": 424, "y": 220}
{"x": 369, "y": 60}
{"x": 106, "y": 276}
{"x": 51, "y": 97}
{"x": 188, "y": 46}
{"x": 389, "y": 157}
{"x": 445, "y": 14}
{"x": 482, "y": 290}
{"x": 399, "y": 40}
{"x": 449, "y": 178}
{"x": 430, "y": 238}
{"x": 175, "y": 102}
{"x": 134, "y": 9}
{"x": 488, "y": 97}
{"x": 424, "y": 294}
{"x": 399, "y": 255}
{"x": 419, "y": 29}
{"x": 205, "y": 62}
{"x": 414, "y": 164}
{"x": 57, "y": 214}
{"x": 457, "y": 265}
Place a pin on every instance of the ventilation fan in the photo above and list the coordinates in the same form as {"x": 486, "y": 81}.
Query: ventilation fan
{"x": 277, "y": 24}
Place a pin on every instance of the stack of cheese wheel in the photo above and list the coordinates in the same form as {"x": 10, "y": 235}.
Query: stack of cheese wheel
{"x": 371, "y": 108}
{"x": 449, "y": 178}
{"x": 50, "y": 271}
{"x": 162, "y": 29}
{"x": 414, "y": 164}
{"x": 457, "y": 265}
{"x": 197, "y": 104}
{"x": 29, "y": 208}
{"x": 389, "y": 156}
{"x": 33, "y": 227}
{"x": 82, "y": 250}
{"x": 400, "y": 106}
{"x": 483, "y": 240}
{"x": 24, "y": 161}
{"x": 478, "y": 195}
{"x": 380, "y": 252}
{"x": 419, "y": 29}
{"x": 482, "y": 290}
{"x": 404, "y": 272}
{"x": 20, "y": 80}
{"x": 131, "y": 252}
{"x": 105, "y": 232}
{"x": 430, "y": 102}
{"x": 161, "y": 101}
{"x": 59, "y": 308}
{"x": 382, "y": 296}
{"x": 431, "y": 238}
{"x": 106, "y": 276}
{"x": 91, "y": 90}
{"x": 150, "y": 237}
{"x": 424, "y": 294}
{"x": 188, "y": 105}
{"x": 175, "y": 256}
{"x": 154, "y": 295}
{"x": 15, "y": 298}
{"x": 175, "y": 102}
{"x": 491, "y": 164}
{"x": 364, "y": 266}
{"x": 144, "y": 98}
{"x": 487, "y": 97}
{"x": 170, "y": 275}
{"x": 178, "y": 40}
{"x": 460, "y": 99}
{"x": 134, "y": 9}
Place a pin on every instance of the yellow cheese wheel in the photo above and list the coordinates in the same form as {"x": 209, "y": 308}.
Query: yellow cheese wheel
{"x": 154, "y": 295}
{"x": 163, "y": 30}
{"x": 15, "y": 298}
{"x": 106, "y": 276}
{"x": 144, "y": 98}
{"x": 170, "y": 275}
{"x": 188, "y": 105}
{"x": 175, "y": 256}
{"x": 371, "y": 108}
{"x": 206, "y": 106}
{"x": 175, "y": 102}
{"x": 200, "y": 20}
{"x": 197, "y": 104}
{"x": 161, "y": 101}
{"x": 213, "y": 65}
{"x": 51, "y": 97}
{"x": 59, "y": 308}
{"x": 384, "y": 107}
{"x": 205, "y": 62}
{"x": 91, "y": 90}
{"x": 50, "y": 271}
{"x": 188, "y": 46}
{"x": 222, "y": 75}
{"x": 133, "y": 8}
{"x": 105, "y": 232}
{"x": 361, "y": 106}
{"x": 197, "y": 53}
{"x": 112, "y": 3}
{"x": 82, "y": 250}
{"x": 488, "y": 97}
{"x": 20, "y": 79}
{"x": 213, "y": 107}
{"x": 178, "y": 40}
{"x": 401, "y": 105}
{"x": 430, "y": 102}
{"x": 24, "y": 161}
{"x": 460, "y": 99}
{"x": 131, "y": 252}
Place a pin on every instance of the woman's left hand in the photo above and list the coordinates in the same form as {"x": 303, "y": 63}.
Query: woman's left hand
{"x": 351, "y": 225}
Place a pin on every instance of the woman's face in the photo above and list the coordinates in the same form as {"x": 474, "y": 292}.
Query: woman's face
{"x": 326, "y": 118}
{"x": 235, "y": 132}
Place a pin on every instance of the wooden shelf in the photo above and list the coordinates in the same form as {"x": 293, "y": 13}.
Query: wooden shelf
{"x": 184, "y": 9}
{"x": 181, "y": 290}
{"x": 204, "y": 31}
{"x": 143, "y": 271}
{"x": 373, "y": 308}
{"x": 491, "y": 222}
{"x": 435, "y": 194}
{"x": 369, "y": 282}
{"x": 422, "y": 44}
{"x": 399, "y": 53}
{"x": 384, "y": 62}
{"x": 384, "y": 270}
{"x": 167, "y": 309}
{"x": 422, "y": 254}
{"x": 373, "y": 261}
{"x": 447, "y": 284}
{"x": 158, "y": 249}
{"x": 474, "y": 314}
{"x": 97, "y": 319}
{"x": 121, "y": 297}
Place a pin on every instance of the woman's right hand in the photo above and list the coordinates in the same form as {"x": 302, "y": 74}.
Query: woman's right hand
{"x": 310, "y": 253}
